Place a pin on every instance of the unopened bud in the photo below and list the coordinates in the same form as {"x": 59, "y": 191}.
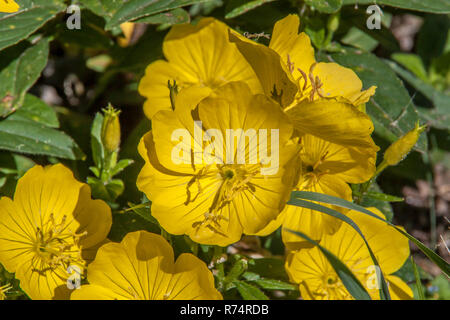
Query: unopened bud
{"x": 333, "y": 22}
{"x": 111, "y": 129}
{"x": 400, "y": 148}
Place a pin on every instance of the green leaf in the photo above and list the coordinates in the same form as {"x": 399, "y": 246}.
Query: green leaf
{"x": 32, "y": 15}
{"x": 272, "y": 284}
{"x": 91, "y": 35}
{"x": 251, "y": 276}
{"x": 432, "y": 37}
{"x": 108, "y": 191}
{"x": 249, "y": 292}
{"x": 315, "y": 28}
{"x": 440, "y": 100}
{"x": 435, "y": 6}
{"x": 413, "y": 63}
{"x": 237, "y": 7}
{"x": 130, "y": 222}
{"x": 168, "y": 18}
{"x": 37, "y": 139}
{"x": 351, "y": 283}
{"x": 36, "y": 110}
{"x": 20, "y": 67}
{"x": 380, "y": 196}
{"x": 357, "y": 38}
{"x": 442, "y": 285}
{"x": 139, "y": 56}
{"x": 313, "y": 196}
{"x": 391, "y": 108}
{"x": 120, "y": 166}
{"x": 326, "y": 6}
{"x": 142, "y": 210}
{"x": 269, "y": 267}
{"x": 384, "y": 292}
{"x": 384, "y": 36}
{"x": 134, "y": 9}
{"x": 98, "y": 152}
{"x": 383, "y": 206}
{"x": 103, "y": 8}
{"x": 236, "y": 271}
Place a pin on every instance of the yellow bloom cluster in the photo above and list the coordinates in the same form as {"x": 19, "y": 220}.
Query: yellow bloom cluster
{"x": 289, "y": 123}
{"x": 52, "y": 230}
{"x": 225, "y": 81}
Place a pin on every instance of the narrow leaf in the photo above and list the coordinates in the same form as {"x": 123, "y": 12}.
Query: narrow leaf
{"x": 313, "y": 196}
{"x": 249, "y": 292}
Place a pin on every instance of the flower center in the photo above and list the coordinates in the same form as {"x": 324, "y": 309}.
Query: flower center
{"x": 228, "y": 174}
{"x": 56, "y": 245}
{"x": 234, "y": 179}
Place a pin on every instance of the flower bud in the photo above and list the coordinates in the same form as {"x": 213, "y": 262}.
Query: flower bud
{"x": 333, "y": 22}
{"x": 400, "y": 148}
{"x": 111, "y": 129}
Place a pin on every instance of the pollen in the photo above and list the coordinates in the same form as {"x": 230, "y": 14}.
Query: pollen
{"x": 56, "y": 245}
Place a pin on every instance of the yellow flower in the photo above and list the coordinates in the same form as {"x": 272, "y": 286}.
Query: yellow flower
{"x": 52, "y": 223}
{"x": 199, "y": 55}
{"x": 202, "y": 187}
{"x": 8, "y": 6}
{"x": 317, "y": 279}
{"x": 3, "y": 290}
{"x": 326, "y": 168}
{"x": 319, "y": 98}
{"x": 142, "y": 267}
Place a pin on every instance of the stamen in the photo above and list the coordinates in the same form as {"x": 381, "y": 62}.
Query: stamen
{"x": 290, "y": 64}
{"x": 305, "y": 78}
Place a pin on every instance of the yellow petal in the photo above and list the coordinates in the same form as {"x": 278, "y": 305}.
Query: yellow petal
{"x": 335, "y": 122}
{"x": 350, "y": 164}
{"x": 8, "y": 6}
{"x": 339, "y": 81}
{"x": 47, "y": 285}
{"x": 398, "y": 289}
{"x": 17, "y": 235}
{"x": 45, "y": 191}
{"x": 93, "y": 217}
{"x": 154, "y": 86}
{"x": 184, "y": 195}
{"x": 142, "y": 267}
{"x": 286, "y": 41}
{"x": 311, "y": 270}
{"x": 192, "y": 274}
{"x": 197, "y": 55}
{"x": 389, "y": 246}
{"x": 94, "y": 292}
{"x": 272, "y": 73}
